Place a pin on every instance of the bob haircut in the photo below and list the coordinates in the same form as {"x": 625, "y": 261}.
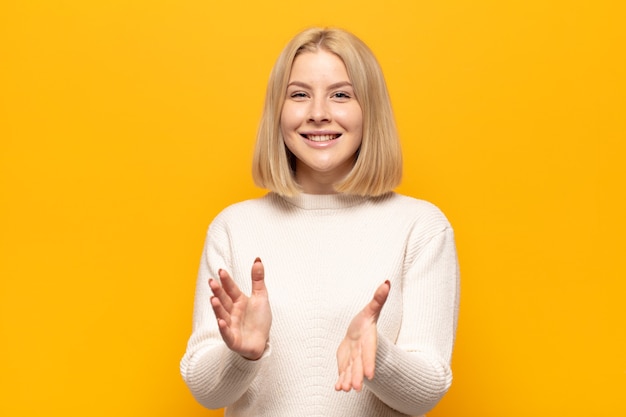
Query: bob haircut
{"x": 378, "y": 166}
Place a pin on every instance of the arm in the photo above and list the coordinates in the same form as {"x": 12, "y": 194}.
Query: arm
{"x": 413, "y": 374}
{"x": 218, "y": 373}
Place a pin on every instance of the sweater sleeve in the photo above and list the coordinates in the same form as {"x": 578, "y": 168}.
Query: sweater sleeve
{"x": 413, "y": 373}
{"x": 215, "y": 375}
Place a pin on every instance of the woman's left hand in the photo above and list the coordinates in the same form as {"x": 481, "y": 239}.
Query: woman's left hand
{"x": 356, "y": 356}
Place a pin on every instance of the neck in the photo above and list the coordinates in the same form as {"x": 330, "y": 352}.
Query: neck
{"x": 316, "y": 182}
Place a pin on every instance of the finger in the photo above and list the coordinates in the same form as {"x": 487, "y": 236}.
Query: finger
{"x": 338, "y": 383}
{"x": 343, "y": 354}
{"x": 220, "y": 312}
{"x": 346, "y": 380}
{"x": 369, "y": 356}
{"x": 337, "y": 386}
{"x": 229, "y": 285}
{"x": 258, "y": 276}
{"x": 343, "y": 359}
{"x": 226, "y": 332}
{"x": 219, "y": 292}
{"x": 374, "y": 307}
{"x": 357, "y": 372}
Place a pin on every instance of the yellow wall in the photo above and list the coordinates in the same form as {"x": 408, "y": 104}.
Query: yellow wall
{"x": 125, "y": 126}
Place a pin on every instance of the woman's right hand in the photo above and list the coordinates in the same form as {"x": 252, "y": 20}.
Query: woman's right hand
{"x": 244, "y": 322}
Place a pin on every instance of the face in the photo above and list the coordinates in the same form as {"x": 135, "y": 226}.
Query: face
{"x": 321, "y": 121}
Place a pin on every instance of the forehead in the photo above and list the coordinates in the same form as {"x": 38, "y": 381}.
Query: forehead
{"x": 318, "y": 66}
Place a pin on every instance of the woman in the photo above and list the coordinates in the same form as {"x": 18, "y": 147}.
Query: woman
{"x": 304, "y": 332}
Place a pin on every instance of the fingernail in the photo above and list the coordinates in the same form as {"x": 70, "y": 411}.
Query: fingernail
{"x": 219, "y": 272}
{"x": 388, "y": 283}
{"x": 257, "y": 260}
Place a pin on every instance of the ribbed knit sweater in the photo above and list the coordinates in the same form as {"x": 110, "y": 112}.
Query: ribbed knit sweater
{"x": 324, "y": 256}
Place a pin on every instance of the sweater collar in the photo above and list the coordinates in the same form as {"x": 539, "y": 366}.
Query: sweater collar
{"x": 324, "y": 201}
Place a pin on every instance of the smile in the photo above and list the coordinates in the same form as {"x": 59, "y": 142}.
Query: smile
{"x": 321, "y": 138}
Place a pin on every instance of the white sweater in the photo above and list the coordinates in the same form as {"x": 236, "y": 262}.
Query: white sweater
{"x": 324, "y": 256}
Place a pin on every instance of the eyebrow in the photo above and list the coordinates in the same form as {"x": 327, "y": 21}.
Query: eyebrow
{"x": 330, "y": 87}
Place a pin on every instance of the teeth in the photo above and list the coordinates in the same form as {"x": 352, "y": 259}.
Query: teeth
{"x": 321, "y": 138}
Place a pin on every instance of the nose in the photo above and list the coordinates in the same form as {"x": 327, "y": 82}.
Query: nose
{"x": 318, "y": 111}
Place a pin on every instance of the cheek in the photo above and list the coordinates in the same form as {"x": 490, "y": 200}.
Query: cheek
{"x": 352, "y": 118}
{"x": 358, "y": 123}
{"x": 288, "y": 125}
{"x": 290, "y": 117}
{"x": 283, "y": 121}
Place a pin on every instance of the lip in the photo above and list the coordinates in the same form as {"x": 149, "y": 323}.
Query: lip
{"x": 320, "y": 136}
{"x": 320, "y": 139}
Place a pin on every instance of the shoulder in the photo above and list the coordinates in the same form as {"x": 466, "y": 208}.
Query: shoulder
{"x": 248, "y": 205}
{"x": 421, "y": 213}
{"x": 428, "y": 229}
{"x": 246, "y": 210}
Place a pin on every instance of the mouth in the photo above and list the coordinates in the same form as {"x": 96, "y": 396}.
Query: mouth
{"x": 321, "y": 138}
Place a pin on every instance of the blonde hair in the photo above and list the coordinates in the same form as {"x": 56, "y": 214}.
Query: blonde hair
{"x": 378, "y": 166}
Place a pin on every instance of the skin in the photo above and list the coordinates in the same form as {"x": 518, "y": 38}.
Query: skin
{"x": 244, "y": 321}
{"x": 356, "y": 356}
{"x": 320, "y": 103}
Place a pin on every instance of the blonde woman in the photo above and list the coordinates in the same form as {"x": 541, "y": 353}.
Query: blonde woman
{"x": 331, "y": 295}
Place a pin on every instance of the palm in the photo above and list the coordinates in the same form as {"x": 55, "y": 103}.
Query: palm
{"x": 244, "y": 322}
{"x": 356, "y": 356}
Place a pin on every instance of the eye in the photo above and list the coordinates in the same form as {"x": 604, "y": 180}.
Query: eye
{"x": 341, "y": 95}
{"x": 298, "y": 95}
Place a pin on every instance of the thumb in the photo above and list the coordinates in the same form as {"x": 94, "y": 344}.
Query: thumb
{"x": 380, "y": 297}
{"x": 258, "y": 276}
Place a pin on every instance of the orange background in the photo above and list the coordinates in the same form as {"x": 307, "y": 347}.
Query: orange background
{"x": 125, "y": 126}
